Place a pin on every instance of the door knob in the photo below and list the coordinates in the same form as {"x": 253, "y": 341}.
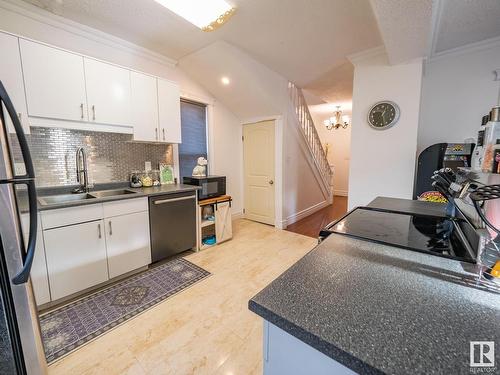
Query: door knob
{"x": 271, "y": 182}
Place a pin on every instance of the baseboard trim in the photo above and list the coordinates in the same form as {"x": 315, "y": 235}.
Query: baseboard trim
{"x": 342, "y": 193}
{"x": 237, "y": 215}
{"x": 304, "y": 213}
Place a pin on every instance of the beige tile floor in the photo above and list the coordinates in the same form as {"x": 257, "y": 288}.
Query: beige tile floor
{"x": 205, "y": 329}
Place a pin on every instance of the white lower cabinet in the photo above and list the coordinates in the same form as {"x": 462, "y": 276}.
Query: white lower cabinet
{"x": 76, "y": 257}
{"x": 39, "y": 277}
{"x": 128, "y": 242}
{"x": 112, "y": 240}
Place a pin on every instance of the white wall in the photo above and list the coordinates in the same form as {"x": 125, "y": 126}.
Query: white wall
{"x": 227, "y": 152}
{"x": 383, "y": 162}
{"x": 34, "y": 23}
{"x": 302, "y": 194}
{"x": 458, "y": 89}
{"x": 338, "y": 142}
{"x": 257, "y": 93}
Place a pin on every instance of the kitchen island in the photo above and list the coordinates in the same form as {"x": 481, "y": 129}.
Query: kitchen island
{"x": 355, "y": 306}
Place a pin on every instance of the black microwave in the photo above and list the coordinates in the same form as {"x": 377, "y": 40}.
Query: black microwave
{"x": 211, "y": 186}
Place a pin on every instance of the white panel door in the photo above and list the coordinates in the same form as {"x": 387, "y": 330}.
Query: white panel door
{"x": 108, "y": 93}
{"x": 76, "y": 257}
{"x": 223, "y": 222}
{"x": 55, "y": 82}
{"x": 258, "y": 154}
{"x": 11, "y": 75}
{"x": 39, "y": 277}
{"x": 144, "y": 107}
{"x": 128, "y": 242}
{"x": 169, "y": 108}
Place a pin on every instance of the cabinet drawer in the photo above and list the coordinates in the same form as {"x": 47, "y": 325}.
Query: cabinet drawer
{"x": 126, "y": 206}
{"x": 71, "y": 215}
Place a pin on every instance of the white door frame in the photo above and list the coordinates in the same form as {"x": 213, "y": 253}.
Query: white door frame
{"x": 278, "y": 165}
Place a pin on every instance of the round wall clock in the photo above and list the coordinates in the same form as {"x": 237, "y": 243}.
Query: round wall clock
{"x": 383, "y": 115}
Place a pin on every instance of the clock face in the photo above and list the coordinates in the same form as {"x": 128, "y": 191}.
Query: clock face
{"x": 383, "y": 115}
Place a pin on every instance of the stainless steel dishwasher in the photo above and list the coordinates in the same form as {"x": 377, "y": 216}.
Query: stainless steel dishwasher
{"x": 172, "y": 220}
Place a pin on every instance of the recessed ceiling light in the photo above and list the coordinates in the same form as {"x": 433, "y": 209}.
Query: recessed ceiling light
{"x": 208, "y": 15}
{"x": 225, "y": 81}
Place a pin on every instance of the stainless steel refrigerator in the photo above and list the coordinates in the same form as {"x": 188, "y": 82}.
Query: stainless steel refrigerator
{"x": 21, "y": 350}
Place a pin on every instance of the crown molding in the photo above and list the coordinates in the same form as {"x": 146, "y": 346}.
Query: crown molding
{"x": 468, "y": 48}
{"x": 358, "y": 57}
{"x": 43, "y": 16}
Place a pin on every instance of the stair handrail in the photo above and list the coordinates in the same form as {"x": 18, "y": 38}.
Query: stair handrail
{"x": 310, "y": 133}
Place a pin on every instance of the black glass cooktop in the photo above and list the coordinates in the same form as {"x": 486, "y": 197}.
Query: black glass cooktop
{"x": 450, "y": 238}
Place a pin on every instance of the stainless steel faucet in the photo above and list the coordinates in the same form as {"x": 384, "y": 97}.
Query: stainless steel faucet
{"x": 82, "y": 170}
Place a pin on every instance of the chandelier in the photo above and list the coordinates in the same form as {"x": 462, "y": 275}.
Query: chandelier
{"x": 337, "y": 120}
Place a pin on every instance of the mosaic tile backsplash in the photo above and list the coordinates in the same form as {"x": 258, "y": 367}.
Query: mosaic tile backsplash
{"x": 110, "y": 156}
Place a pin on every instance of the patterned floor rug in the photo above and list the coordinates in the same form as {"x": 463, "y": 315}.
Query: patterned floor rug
{"x": 72, "y": 325}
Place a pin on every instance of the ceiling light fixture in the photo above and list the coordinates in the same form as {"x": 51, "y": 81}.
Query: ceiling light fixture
{"x": 208, "y": 15}
{"x": 225, "y": 81}
{"x": 337, "y": 121}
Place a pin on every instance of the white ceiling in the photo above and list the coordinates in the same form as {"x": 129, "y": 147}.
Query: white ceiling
{"x": 405, "y": 27}
{"x": 305, "y": 41}
{"x": 302, "y": 40}
{"x": 463, "y": 22}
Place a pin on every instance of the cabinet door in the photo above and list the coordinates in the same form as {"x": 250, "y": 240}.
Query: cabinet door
{"x": 144, "y": 107}
{"x": 169, "y": 108}
{"x": 39, "y": 277}
{"x": 127, "y": 239}
{"x": 108, "y": 93}
{"x": 76, "y": 257}
{"x": 223, "y": 222}
{"x": 55, "y": 82}
{"x": 11, "y": 76}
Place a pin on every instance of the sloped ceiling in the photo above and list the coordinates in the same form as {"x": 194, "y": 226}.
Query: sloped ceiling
{"x": 305, "y": 41}
{"x": 254, "y": 89}
{"x": 301, "y": 40}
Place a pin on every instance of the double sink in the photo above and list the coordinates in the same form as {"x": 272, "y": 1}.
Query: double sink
{"x": 66, "y": 198}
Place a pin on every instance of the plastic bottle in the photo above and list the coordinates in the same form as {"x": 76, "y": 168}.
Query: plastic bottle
{"x": 491, "y": 134}
{"x": 477, "y": 155}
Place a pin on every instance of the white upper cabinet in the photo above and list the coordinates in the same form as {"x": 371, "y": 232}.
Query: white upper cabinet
{"x": 54, "y": 81}
{"x": 11, "y": 76}
{"x": 108, "y": 93}
{"x": 144, "y": 107}
{"x": 169, "y": 108}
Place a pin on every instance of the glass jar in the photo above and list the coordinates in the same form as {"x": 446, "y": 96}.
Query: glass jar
{"x": 147, "y": 179}
{"x": 135, "y": 179}
{"x": 155, "y": 175}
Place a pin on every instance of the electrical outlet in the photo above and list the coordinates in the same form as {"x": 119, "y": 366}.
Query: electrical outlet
{"x": 147, "y": 166}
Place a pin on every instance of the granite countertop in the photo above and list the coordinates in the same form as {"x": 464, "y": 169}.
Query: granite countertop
{"x": 381, "y": 309}
{"x": 139, "y": 192}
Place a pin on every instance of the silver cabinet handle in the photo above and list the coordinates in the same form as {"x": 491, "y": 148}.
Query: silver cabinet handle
{"x": 156, "y": 133}
{"x": 93, "y": 112}
{"x": 99, "y": 230}
{"x": 110, "y": 229}
{"x": 175, "y": 199}
{"x": 19, "y": 115}
{"x": 271, "y": 182}
{"x": 163, "y": 133}
{"x": 81, "y": 110}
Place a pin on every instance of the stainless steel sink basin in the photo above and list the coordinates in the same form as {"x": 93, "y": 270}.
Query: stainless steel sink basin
{"x": 111, "y": 193}
{"x": 55, "y": 199}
